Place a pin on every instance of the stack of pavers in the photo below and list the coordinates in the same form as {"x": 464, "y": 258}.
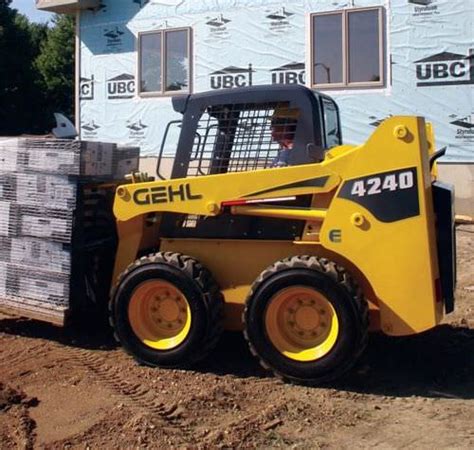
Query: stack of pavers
{"x": 55, "y": 222}
{"x": 127, "y": 160}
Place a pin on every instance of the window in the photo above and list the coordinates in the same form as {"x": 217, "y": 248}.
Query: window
{"x": 241, "y": 137}
{"x": 164, "y": 61}
{"x": 347, "y": 48}
{"x": 331, "y": 123}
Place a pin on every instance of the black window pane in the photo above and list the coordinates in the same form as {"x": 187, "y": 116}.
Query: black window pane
{"x": 333, "y": 134}
{"x": 327, "y": 49}
{"x": 177, "y": 61}
{"x": 150, "y": 62}
{"x": 364, "y": 60}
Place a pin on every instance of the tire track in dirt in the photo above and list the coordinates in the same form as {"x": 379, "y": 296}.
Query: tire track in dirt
{"x": 141, "y": 398}
{"x": 235, "y": 418}
{"x": 27, "y": 430}
{"x": 34, "y": 351}
{"x": 247, "y": 428}
{"x": 14, "y": 407}
{"x": 135, "y": 395}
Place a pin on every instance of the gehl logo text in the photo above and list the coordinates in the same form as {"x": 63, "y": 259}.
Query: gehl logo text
{"x": 445, "y": 69}
{"x": 231, "y": 77}
{"x": 164, "y": 194}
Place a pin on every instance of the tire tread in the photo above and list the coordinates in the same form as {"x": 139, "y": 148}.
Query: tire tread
{"x": 340, "y": 276}
{"x": 210, "y": 293}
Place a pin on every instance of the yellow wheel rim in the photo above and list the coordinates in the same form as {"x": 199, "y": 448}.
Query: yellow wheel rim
{"x": 159, "y": 314}
{"x": 301, "y": 323}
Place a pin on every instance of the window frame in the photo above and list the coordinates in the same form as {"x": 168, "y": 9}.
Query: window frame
{"x": 165, "y": 93}
{"x": 326, "y": 98}
{"x": 346, "y": 84}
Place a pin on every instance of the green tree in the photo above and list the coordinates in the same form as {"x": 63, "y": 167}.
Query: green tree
{"x": 20, "y": 104}
{"x": 11, "y": 63}
{"x": 36, "y": 71}
{"x": 32, "y": 99}
{"x": 55, "y": 63}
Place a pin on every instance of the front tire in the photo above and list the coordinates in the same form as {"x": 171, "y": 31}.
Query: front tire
{"x": 306, "y": 320}
{"x": 166, "y": 310}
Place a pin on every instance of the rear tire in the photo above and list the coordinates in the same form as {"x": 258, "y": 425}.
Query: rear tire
{"x": 306, "y": 320}
{"x": 166, "y": 310}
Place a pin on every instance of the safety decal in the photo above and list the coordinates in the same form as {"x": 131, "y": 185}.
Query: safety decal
{"x": 312, "y": 182}
{"x": 389, "y": 196}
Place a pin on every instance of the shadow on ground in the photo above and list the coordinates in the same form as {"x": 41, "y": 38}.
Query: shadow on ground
{"x": 92, "y": 333}
{"x": 438, "y": 363}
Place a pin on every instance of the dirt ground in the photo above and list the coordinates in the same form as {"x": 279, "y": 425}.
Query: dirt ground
{"x": 74, "y": 388}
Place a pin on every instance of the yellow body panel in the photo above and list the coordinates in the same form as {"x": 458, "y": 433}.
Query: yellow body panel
{"x": 394, "y": 260}
{"x": 399, "y": 258}
{"x": 236, "y": 264}
{"x": 134, "y": 235}
{"x": 204, "y": 195}
{"x": 130, "y": 234}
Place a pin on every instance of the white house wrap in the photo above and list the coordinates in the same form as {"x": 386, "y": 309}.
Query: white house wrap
{"x": 425, "y": 62}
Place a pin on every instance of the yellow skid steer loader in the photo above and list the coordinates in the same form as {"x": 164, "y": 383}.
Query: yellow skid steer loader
{"x": 270, "y": 225}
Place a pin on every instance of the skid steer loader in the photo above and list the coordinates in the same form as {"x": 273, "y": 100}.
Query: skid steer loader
{"x": 305, "y": 258}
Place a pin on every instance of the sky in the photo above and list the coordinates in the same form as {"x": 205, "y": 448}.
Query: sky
{"x": 28, "y": 8}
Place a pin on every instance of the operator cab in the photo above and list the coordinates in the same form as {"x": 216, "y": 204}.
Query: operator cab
{"x": 233, "y": 130}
